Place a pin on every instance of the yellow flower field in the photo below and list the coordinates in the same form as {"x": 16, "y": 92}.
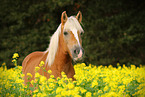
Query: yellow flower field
{"x": 91, "y": 81}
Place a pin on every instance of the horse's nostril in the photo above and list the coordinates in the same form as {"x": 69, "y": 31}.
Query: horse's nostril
{"x": 75, "y": 51}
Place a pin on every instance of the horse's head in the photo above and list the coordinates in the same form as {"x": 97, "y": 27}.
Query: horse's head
{"x": 71, "y": 31}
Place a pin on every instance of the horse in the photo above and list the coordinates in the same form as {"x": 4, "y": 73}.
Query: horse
{"x": 65, "y": 46}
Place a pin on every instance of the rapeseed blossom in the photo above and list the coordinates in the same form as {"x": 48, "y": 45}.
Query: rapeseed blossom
{"x": 37, "y": 75}
{"x": 15, "y": 55}
{"x": 91, "y": 81}
{"x": 29, "y": 74}
{"x": 37, "y": 68}
{"x": 49, "y": 71}
{"x": 14, "y": 60}
{"x": 41, "y": 63}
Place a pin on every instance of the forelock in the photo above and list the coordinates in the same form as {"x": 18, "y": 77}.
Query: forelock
{"x": 72, "y": 23}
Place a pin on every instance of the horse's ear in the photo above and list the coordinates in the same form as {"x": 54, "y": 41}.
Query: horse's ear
{"x": 79, "y": 17}
{"x": 63, "y": 17}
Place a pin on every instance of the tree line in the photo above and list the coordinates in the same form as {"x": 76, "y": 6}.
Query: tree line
{"x": 114, "y": 30}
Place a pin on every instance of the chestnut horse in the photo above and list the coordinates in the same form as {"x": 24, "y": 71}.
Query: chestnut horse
{"x": 65, "y": 46}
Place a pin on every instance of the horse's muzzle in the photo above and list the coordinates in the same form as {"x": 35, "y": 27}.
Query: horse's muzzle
{"x": 77, "y": 53}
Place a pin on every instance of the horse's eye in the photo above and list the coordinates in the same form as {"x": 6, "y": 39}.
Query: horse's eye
{"x": 65, "y": 33}
{"x": 81, "y": 33}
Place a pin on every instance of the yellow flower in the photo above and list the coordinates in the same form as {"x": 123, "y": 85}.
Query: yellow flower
{"x": 112, "y": 94}
{"x": 58, "y": 78}
{"x": 63, "y": 74}
{"x": 28, "y": 92}
{"x": 29, "y": 74}
{"x": 77, "y": 96}
{"x": 34, "y": 95}
{"x": 51, "y": 80}
{"x": 94, "y": 83}
{"x": 60, "y": 82}
{"x": 19, "y": 81}
{"x": 106, "y": 88}
{"x": 70, "y": 79}
{"x": 7, "y": 95}
{"x": 49, "y": 71}
{"x": 58, "y": 90}
{"x": 42, "y": 79}
{"x": 70, "y": 85}
{"x": 41, "y": 63}
{"x": 37, "y": 68}
{"x": 88, "y": 94}
{"x": 39, "y": 95}
{"x": 100, "y": 91}
{"x": 37, "y": 75}
{"x": 63, "y": 93}
{"x": 51, "y": 76}
{"x": 32, "y": 82}
{"x": 4, "y": 64}
{"x": 83, "y": 90}
{"x": 51, "y": 85}
{"x": 22, "y": 75}
{"x": 35, "y": 91}
{"x": 58, "y": 95}
{"x": 15, "y": 55}
{"x": 118, "y": 64}
{"x": 14, "y": 60}
{"x": 12, "y": 95}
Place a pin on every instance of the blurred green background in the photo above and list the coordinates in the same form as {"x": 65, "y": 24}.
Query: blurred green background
{"x": 114, "y": 29}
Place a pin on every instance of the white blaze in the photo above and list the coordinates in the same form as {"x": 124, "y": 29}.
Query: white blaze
{"x": 74, "y": 31}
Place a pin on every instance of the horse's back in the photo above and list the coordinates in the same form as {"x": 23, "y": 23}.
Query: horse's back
{"x": 32, "y": 58}
{"x": 31, "y": 61}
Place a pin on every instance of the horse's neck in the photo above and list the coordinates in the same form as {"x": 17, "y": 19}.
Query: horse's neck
{"x": 63, "y": 57}
{"x": 63, "y": 60}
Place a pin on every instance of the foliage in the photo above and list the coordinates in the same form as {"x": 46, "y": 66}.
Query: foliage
{"x": 114, "y": 30}
{"x": 91, "y": 81}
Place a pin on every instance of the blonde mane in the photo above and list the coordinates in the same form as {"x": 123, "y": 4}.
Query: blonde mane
{"x": 70, "y": 24}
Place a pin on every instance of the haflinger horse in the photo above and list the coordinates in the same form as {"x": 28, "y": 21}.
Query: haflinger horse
{"x": 65, "y": 46}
